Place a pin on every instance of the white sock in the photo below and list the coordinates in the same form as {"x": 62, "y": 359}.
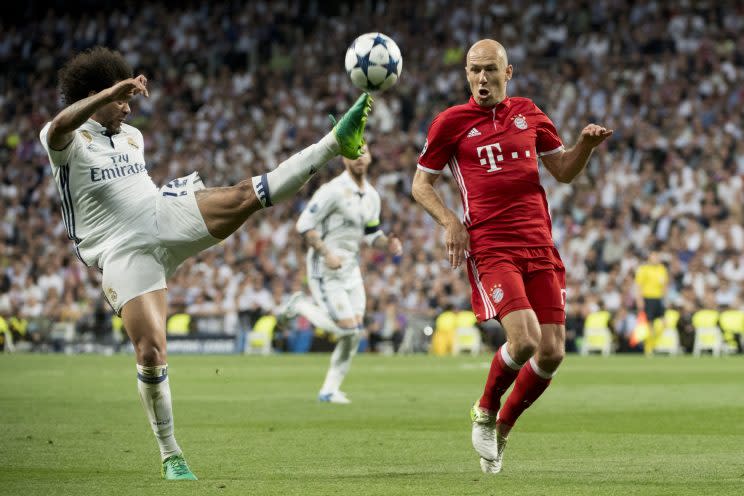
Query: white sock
{"x": 154, "y": 391}
{"x": 341, "y": 357}
{"x": 318, "y": 316}
{"x": 292, "y": 174}
{"x": 508, "y": 360}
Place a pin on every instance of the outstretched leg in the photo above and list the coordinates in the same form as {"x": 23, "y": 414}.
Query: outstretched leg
{"x": 225, "y": 209}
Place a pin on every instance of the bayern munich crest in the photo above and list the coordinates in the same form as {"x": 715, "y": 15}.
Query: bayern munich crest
{"x": 520, "y": 122}
{"x": 497, "y": 294}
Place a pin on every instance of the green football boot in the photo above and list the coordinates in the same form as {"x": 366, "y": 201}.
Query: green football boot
{"x": 176, "y": 468}
{"x": 349, "y": 130}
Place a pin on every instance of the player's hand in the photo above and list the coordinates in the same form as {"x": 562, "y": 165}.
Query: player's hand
{"x": 395, "y": 247}
{"x": 332, "y": 261}
{"x": 126, "y": 89}
{"x": 456, "y": 240}
{"x": 594, "y": 134}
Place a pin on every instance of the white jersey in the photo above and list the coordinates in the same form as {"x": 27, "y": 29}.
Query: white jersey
{"x": 345, "y": 215}
{"x": 103, "y": 184}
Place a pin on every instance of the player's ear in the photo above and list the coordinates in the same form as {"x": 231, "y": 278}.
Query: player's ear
{"x": 509, "y": 72}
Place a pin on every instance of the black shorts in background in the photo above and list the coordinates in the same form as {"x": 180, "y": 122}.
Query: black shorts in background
{"x": 654, "y": 308}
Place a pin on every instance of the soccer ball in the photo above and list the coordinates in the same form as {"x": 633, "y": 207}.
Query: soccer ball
{"x": 373, "y": 62}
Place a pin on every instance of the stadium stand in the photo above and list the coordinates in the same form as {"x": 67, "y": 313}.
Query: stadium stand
{"x": 235, "y": 88}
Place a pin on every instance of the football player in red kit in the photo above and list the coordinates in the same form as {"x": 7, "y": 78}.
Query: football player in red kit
{"x": 491, "y": 145}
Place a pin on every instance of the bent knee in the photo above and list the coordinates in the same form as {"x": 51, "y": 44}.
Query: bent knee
{"x": 551, "y": 358}
{"x": 150, "y": 353}
{"x": 525, "y": 348}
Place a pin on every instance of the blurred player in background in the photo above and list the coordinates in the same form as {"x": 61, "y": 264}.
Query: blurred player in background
{"x": 341, "y": 214}
{"x": 652, "y": 280}
{"x": 137, "y": 234}
{"x": 491, "y": 145}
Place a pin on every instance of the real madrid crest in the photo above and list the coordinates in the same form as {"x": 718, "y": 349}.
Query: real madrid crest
{"x": 112, "y": 295}
{"x": 497, "y": 294}
{"x": 132, "y": 143}
{"x": 520, "y": 122}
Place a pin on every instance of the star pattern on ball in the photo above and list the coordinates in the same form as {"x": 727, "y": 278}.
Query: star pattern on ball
{"x": 391, "y": 66}
{"x": 363, "y": 62}
{"x": 379, "y": 40}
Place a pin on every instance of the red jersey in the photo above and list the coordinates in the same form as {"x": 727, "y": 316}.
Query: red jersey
{"x": 492, "y": 153}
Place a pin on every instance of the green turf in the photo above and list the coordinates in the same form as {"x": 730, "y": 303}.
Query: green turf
{"x": 251, "y": 426}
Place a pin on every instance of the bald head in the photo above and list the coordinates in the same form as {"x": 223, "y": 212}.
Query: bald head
{"x": 488, "y": 70}
{"x": 488, "y": 48}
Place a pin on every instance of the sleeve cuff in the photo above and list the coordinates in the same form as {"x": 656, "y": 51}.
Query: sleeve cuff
{"x": 430, "y": 171}
{"x": 551, "y": 152}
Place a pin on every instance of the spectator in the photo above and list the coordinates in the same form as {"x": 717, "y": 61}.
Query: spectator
{"x": 672, "y": 175}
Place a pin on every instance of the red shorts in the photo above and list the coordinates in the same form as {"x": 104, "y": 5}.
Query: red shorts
{"x": 509, "y": 279}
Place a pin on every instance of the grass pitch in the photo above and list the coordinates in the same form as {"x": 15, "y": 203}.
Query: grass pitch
{"x": 251, "y": 425}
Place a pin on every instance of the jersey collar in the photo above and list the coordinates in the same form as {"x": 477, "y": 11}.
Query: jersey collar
{"x": 347, "y": 178}
{"x": 94, "y": 126}
{"x": 505, "y": 103}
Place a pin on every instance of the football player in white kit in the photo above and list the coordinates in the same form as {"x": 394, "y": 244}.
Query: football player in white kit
{"x": 341, "y": 214}
{"x": 137, "y": 234}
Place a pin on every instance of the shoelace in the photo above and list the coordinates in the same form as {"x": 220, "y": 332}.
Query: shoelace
{"x": 489, "y": 433}
{"x": 178, "y": 465}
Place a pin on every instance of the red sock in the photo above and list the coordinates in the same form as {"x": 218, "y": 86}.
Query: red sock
{"x": 527, "y": 389}
{"x": 500, "y": 377}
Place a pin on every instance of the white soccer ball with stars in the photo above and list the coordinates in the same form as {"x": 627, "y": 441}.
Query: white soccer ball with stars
{"x": 374, "y": 62}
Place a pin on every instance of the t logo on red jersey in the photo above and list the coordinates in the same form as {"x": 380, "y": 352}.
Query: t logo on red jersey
{"x": 490, "y": 159}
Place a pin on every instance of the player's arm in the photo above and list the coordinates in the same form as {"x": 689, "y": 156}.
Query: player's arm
{"x": 313, "y": 238}
{"x": 375, "y": 237}
{"x": 320, "y": 207}
{"x": 565, "y": 165}
{"x": 457, "y": 239}
{"x": 639, "y": 288}
{"x": 390, "y": 243}
{"x": 73, "y": 116}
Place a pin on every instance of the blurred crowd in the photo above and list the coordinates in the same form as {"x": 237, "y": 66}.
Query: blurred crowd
{"x": 235, "y": 88}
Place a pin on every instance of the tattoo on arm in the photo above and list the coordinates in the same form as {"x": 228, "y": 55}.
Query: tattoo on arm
{"x": 72, "y": 117}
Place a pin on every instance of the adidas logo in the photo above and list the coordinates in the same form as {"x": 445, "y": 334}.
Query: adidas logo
{"x": 473, "y": 133}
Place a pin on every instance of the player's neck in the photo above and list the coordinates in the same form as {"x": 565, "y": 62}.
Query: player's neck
{"x": 358, "y": 179}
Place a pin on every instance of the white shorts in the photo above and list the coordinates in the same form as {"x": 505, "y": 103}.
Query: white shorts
{"x": 343, "y": 298}
{"x": 172, "y": 230}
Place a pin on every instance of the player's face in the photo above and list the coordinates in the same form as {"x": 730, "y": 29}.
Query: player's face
{"x": 112, "y": 115}
{"x": 358, "y": 167}
{"x": 487, "y": 73}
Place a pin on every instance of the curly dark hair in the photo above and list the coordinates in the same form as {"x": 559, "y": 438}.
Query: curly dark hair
{"x": 94, "y": 69}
